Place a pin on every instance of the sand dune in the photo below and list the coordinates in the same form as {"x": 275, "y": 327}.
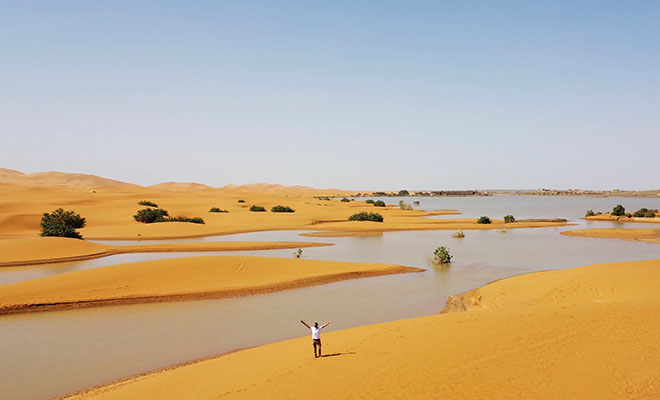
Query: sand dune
{"x": 584, "y": 333}
{"x": 61, "y": 179}
{"x": 179, "y": 279}
{"x": 642, "y": 235}
{"x": 49, "y": 250}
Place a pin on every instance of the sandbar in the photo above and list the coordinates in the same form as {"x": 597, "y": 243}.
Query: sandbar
{"x": 637, "y": 235}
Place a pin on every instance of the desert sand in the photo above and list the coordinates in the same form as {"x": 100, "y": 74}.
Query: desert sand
{"x": 583, "y": 333}
{"x": 609, "y": 217}
{"x": 47, "y": 250}
{"x": 641, "y": 235}
{"x": 179, "y": 279}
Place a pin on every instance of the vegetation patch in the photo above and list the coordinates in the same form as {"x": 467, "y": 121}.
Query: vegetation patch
{"x": 591, "y": 213}
{"x": 148, "y": 203}
{"x": 153, "y": 215}
{"x": 366, "y": 216}
{"x": 645, "y": 213}
{"x": 241, "y": 201}
{"x": 441, "y": 255}
{"x": 379, "y": 203}
{"x": 509, "y": 219}
{"x": 282, "y": 209}
{"x": 405, "y": 206}
{"x": 217, "y": 210}
{"x": 345, "y": 200}
{"x": 257, "y": 209}
{"x": 619, "y": 211}
{"x": 62, "y": 223}
{"x": 369, "y": 201}
{"x": 483, "y": 220}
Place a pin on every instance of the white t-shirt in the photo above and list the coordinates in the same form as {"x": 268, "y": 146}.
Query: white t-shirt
{"x": 316, "y": 332}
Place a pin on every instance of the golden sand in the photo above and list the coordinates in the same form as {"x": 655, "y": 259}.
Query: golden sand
{"x": 179, "y": 279}
{"x": 47, "y": 250}
{"x": 583, "y": 333}
{"x": 641, "y": 235}
{"x": 611, "y": 218}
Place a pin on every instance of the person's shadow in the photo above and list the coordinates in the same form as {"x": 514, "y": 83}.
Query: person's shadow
{"x": 338, "y": 354}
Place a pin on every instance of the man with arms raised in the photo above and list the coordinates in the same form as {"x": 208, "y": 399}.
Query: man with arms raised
{"x": 316, "y": 335}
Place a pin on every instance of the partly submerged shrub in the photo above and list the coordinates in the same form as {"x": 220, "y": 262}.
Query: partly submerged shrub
{"x": 589, "y": 213}
{"x": 441, "y": 255}
{"x": 509, "y": 218}
{"x": 379, "y": 203}
{"x": 483, "y": 220}
{"x": 257, "y": 209}
{"x": 619, "y": 210}
{"x": 148, "y": 203}
{"x": 404, "y": 206}
{"x": 280, "y": 209}
{"x": 217, "y": 210}
{"x": 366, "y": 216}
{"x": 150, "y": 215}
{"x": 62, "y": 223}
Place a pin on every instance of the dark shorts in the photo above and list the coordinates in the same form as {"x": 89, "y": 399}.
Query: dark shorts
{"x": 316, "y": 341}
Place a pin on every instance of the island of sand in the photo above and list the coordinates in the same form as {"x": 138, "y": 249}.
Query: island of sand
{"x": 546, "y": 335}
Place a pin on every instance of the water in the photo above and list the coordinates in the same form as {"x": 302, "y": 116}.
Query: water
{"x": 54, "y": 353}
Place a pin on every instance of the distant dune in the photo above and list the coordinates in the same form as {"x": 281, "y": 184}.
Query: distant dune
{"x": 61, "y": 179}
{"x": 183, "y": 186}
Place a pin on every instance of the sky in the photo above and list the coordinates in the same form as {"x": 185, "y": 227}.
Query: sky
{"x": 346, "y": 94}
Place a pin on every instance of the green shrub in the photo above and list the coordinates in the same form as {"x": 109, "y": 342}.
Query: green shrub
{"x": 345, "y": 200}
{"x": 257, "y": 209}
{"x": 62, "y": 223}
{"x": 509, "y": 218}
{"x": 589, "y": 213}
{"x": 366, "y": 216}
{"x": 483, "y": 220}
{"x": 217, "y": 210}
{"x": 403, "y": 193}
{"x": 280, "y": 209}
{"x": 379, "y": 203}
{"x": 148, "y": 203}
{"x": 150, "y": 215}
{"x": 194, "y": 220}
{"x": 441, "y": 255}
{"x": 369, "y": 201}
{"x": 241, "y": 201}
{"x": 404, "y": 206}
{"x": 645, "y": 213}
{"x": 619, "y": 210}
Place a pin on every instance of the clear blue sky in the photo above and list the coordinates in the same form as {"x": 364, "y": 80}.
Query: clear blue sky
{"x": 349, "y": 94}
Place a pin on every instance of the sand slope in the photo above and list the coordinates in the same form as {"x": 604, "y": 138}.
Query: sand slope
{"x": 179, "y": 279}
{"x": 641, "y": 235}
{"x": 584, "y": 333}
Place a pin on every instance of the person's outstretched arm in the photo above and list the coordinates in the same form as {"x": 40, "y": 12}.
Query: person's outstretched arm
{"x": 327, "y": 323}
{"x": 303, "y": 322}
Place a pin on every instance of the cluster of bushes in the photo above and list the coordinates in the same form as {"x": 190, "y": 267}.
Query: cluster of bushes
{"x": 257, "y": 209}
{"x": 62, "y": 223}
{"x": 591, "y": 213}
{"x": 148, "y": 203}
{"x": 509, "y": 218}
{"x": 366, "y": 216}
{"x": 217, "y": 210}
{"x": 279, "y": 209}
{"x": 645, "y": 213}
{"x": 441, "y": 255}
{"x": 151, "y": 215}
{"x": 483, "y": 220}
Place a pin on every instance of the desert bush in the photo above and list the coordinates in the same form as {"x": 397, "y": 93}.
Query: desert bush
{"x": 483, "y": 220}
{"x": 509, "y": 218}
{"x": 280, "y": 209}
{"x": 403, "y": 192}
{"x": 62, "y": 223}
{"x": 241, "y": 201}
{"x": 369, "y": 201}
{"x": 441, "y": 255}
{"x": 194, "y": 220}
{"x": 150, "y": 215}
{"x": 366, "y": 216}
{"x": 345, "y": 200}
{"x": 589, "y": 213}
{"x": 217, "y": 210}
{"x": 379, "y": 203}
{"x": 257, "y": 209}
{"x": 148, "y": 203}
{"x": 645, "y": 213}
{"x": 404, "y": 206}
{"x": 619, "y": 210}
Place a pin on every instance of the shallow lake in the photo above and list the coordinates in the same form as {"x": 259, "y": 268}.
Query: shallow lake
{"x": 54, "y": 353}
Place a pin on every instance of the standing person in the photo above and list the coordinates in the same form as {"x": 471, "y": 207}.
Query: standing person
{"x": 316, "y": 335}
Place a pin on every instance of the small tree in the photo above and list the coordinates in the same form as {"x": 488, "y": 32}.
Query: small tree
{"x": 148, "y": 203}
{"x": 441, "y": 255}
{"x": 404, "y": 192}
{"x": 509, "y": 218}
{"x": 619, "y": 210}
{"x": 483, "y": 220}
{"x": 62, "y": 223}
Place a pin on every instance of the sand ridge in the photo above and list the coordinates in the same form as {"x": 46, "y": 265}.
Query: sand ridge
{"x": 641, "y": 235}
{"x": 546, "y": 335}
{"x": 179, "y": 279}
